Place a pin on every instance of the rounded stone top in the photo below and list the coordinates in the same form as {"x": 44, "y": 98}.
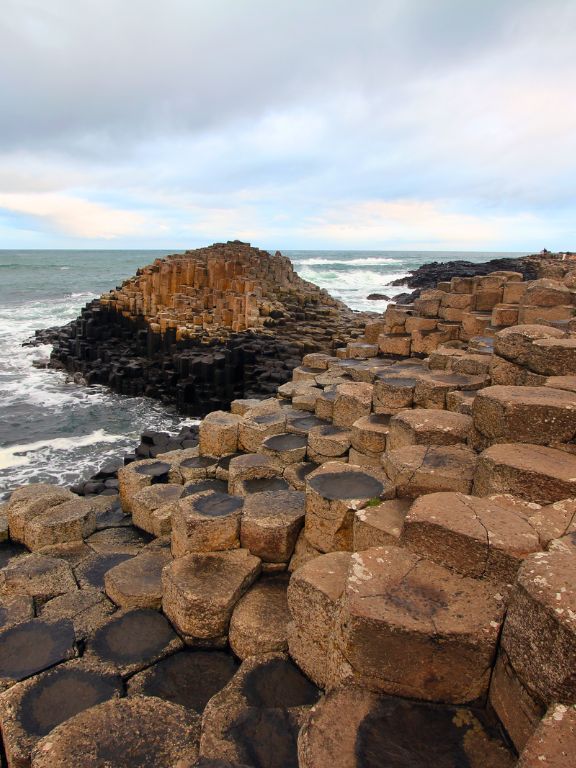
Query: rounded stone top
{"x": 198, "y": 462}
{"x": 287, "y": 441}
{"x": 399, "y": 382}
{"x": 249, "y": 460}
{"x": 268, "y": 418}
{"x": 333, "y": 485}
{"x": 193, "y": 487}
{"x": 156, "y": 469}
{"x": 217, "y": 504}
{"x": 132, "y": 637}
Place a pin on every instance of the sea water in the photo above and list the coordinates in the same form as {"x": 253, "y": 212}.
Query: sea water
{"x": 54, "y": 430}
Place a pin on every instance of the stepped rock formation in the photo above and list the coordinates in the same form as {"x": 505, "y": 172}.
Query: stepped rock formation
{"x": 377, "y": 566}
{"x": 203, "y": 327}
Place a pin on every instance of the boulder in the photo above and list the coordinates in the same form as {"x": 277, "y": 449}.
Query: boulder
{"x": 201, "y": 590}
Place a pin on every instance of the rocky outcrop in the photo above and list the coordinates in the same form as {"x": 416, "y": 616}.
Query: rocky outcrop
{"x": 201, "y": 328}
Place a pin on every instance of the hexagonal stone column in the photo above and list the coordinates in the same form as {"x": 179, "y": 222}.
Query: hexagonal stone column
{"x": 553, "y": 357}
{"x": 138, "y": 475}
{"x": 379, "y": 525}
{"x": 70, "y": 521}
{"x": 328, "y": 443}
{"x": 285, "y": 448}
{"x": 206, "y": 522}
{"x": 333, "y": 494}
{"x": 31, "y": 709}
{"x": 473, "y": 536}
{"x": 515, "y": 343}
{"x": 144, "y": 730}
{"x": 554, "y": 742}
{"x": 313, "y": 594}
{"x": 419, "y": 469}
{"x": 392, "y": 392}
{"x": 218, "y": 433}
{"x": 197, "y": 467}
{"x": 250, "y": 467}
{"x": 410, "y": 627}
{"x": 539, "y": 634}
{"x": 370, "y": 433}
{"x": 539, "y": 415}
{"x": 253, "y": 430}
{"x": 532, "y": 472}
{"x": 431, "y": 389}
{"x": 354, "y": 728}
{"x": 352, "y": 401}
{"x": 152, "y": 507}
{"x": 38, "y": 576}
{"x": 137, "y": 582}
{"x": 32, "y": 500}
{"x": 271, "y": 522}
{"x": 259, "y": 622}
{"x": 427, "y": 426}
{"x": 201, "y": 590}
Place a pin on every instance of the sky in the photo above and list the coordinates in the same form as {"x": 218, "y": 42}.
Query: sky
{"x": 308, "y": 124}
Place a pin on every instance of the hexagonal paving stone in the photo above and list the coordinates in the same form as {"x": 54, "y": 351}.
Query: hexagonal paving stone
{"x": 32, "y": 646}
{"x": 353, "y": 728}
{"x": 539, "y": 634}
{"x": 138, "y": 475}
{"x": 419, "y": 469}
{"x": 250, "y": 466}
{"x": 260, "y": 618}
{"x": 206, "y": 522}
{"x": 532, "y": 472}
{"x": 32, "y": 500}
{"x": 352, "y": 402}
{"x": 137, "y": 731}
{"x": 285, "y": 448}
{"x": 254, "y": 429}
{"x": 197, "y": 467}
{"x": 15, "y": 609}
{"x": 295, "y": 474}
{"x": 333, "y": 493}
{"x": 118, "y": 541}
{"x": 38, "y": 576}
{"x": 369, "y": 434}
{"x": 189, "y": 678}
{"x": 137, "y": 582}
{"x": 473, "y": 536}
{"x": 132, "y": 640}
{"x": 271, "y": 523}
{"x": 410, "y": 627}
{"x": 69, "y": 521}
{"x": 152, "y": 507}
{"x": 86, "y": 608}
{"x": 256, "y": 718}
{"x": 91, "y": 572}
{"x": 201, "y": 589}
{"x": 218, "y": 433}
{"x": 31, "y": 709}
{"x": 330, "y": 442}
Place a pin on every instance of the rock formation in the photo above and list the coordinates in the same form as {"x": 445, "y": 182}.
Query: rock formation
{"x": 375, "y": 567}
{"x": 203, "y": 327}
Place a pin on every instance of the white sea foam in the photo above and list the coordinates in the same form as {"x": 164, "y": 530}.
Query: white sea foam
{"x": 367, "y": 261}
{"x": 18, "y": 455}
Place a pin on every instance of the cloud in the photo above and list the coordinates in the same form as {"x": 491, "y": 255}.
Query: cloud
{"x": 74, "y": 216}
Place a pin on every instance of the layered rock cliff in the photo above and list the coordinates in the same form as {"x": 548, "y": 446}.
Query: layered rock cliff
{"x": 200, "y": 328}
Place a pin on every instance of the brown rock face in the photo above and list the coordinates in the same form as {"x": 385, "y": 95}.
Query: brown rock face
{"x": 411, "y": 628}
{"x": 554, "y": 742}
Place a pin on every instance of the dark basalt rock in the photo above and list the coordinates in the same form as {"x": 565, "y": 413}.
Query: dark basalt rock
{"x": 261, "y": 484}
{"x": 346, "y": 485}
{"x": 189, "y": 678}
{"x": 267, "y": 738}
{"x": 278, "y": 683}
{"x": 159, "y": 471}
{"x": 218, "y": 505}
{"x": 61, "y": 694}
{"x": 33, "y": 646}
{"x": 210, "y": 484}
{"x": 91, "y": 572}
{"x": 199, "y": 462}
{"x": 378, "y": 297}
{"x": 286, "y": 441}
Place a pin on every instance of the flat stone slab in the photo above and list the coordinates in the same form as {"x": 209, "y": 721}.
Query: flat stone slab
{"x": 153, "y": 506}
{"x": 33, "y": 646}
{"x": 473, "y": 536}
{"x": 125, "y": 541}
{"x": 419, "y": 469}
{"x": 201, "y": 589}
{"x": 210, "y": 484}
{"x": 354, "y": 728}
{"x": 271, "y": 523}
{"x": 29, "y": 501}
{"x": 137, "y": 582}
{"x": 206, "y": 522}
{"x": 189, "y": 678}
{"x": 286, "y": 448}
{"x": 554, "y": 742}
{"x": 31, "y": 709}
{"x": 132, "y": 640}
{"x": 427, "y": 426}
{"x": 86, "y": 608}
{"x": 91, "y": 572}
{"x": 255, "y": 720}
{"x": 537, "y": 415}
{"x": 531, "y": 472}
{"x": 262, "y": 485}
{"x": 137, "y": 731}
{"x": 69, "y": 521}
{"x": 333, "y": 494}
{"x": 37, "y": 576}
{"x": 14, "y": 610}
{"x": 409, "y": 627}
{"x": 260, "y": 619}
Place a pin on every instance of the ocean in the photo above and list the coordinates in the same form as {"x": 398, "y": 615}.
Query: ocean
{"x": 53, "y": 430}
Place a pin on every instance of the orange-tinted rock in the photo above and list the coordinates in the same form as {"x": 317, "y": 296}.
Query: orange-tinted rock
{"x": 427, "y": 426}
{"x": 419, "y": 469}
{"x": 554, "y": 742}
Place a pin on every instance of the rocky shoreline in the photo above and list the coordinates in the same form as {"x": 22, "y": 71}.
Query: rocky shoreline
{"x": 373, "y": 566}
